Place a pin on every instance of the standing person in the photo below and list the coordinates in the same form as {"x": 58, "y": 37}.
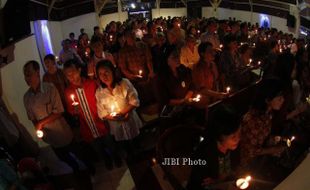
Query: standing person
{"x": 93, "y": 130}
{"x": 55, "y": 75}
{"x": 189, "y": 55}
{"x": 44, "y": 109}
{"x": 118, "y": 96}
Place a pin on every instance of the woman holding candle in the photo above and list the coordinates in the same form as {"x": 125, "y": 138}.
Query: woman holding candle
{"x": 217, "y": 150}
{"x": 257, "y": 123}
{"x": 116, "y": 102}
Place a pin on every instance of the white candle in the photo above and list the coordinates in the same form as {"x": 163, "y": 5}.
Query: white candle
{"x": 74, "y": 103}
{"x": 228, "y": 89}
{"x": 221, "y": 46}
{"x": 280, "y": 50}
{"x": 39, "y": 133}
{"x": 140, "y": 74}
{"x": 88, "y": 42}
{"x": 249, "y": 36}
{"x": 241, "y": 43}
{"x": 243, "y": 183}
{"x": 258, "y": 62}
{"x": 253, "y": 44}
{"x": 198, "y": 31}
{"x": 250, "y": 61}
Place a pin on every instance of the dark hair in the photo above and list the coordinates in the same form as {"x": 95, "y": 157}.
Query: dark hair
{"x": 49, "y": 57}
{"x": 244, "y": 48}
{"x": 228, "y": 39}
{"x": 273, "y": 44}
{"x": 108, "y": 64}
{"x": 71, "y": 34}
{"x": 224, "y": 122}
{"x": 96, "y": 28}
{"x": 284, "y": 66}
{"x": 70, "y": 64}
{"x": 203, "y": 47}
{"x": 267, "y": 90}
{"x": 34, "y": 65}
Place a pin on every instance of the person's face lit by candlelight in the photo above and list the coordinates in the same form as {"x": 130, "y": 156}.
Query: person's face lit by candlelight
{"x": 105, "y": 75}
{"x": 276, "y": 103}
{"x": 73, "y": 75}
{"x": 32, "y": 75}
{"x": 230, "y": 142}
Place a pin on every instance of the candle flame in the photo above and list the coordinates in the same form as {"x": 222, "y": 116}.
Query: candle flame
{"x": 40, "y": 133}
{"x": 250, "y": 60}
{"x": 259, "y": 62}
{"x": 228, "y": 89}
{"x": 221, "y": 45}
{"x": 243, "y": 183}
{"x": 140, "y": 72}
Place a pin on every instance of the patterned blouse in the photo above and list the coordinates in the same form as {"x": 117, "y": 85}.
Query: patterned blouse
{"x": 255, "y": 130}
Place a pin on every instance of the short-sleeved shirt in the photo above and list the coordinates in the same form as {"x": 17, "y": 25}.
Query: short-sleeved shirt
{"x": 255, "y": 129}
{"x": 91, "y": 126}
{"x": 123, "y": 94}
{"x": 39, "y": 105}
{"x": 188, "y": 57}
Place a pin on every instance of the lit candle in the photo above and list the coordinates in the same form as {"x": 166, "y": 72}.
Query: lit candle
{"x": 56, "y": 58}
{"x": 250, "y": 61}
{"x": 241, "y": 43}
{"x": 269, "y": 36}
{"x": 201, "y": 139}
{"x": 154, "y": 161}
{"x": 113, "y": 113}
{"x": 86, "y": 53}
{"x": 140, "y": 74}
{"x": 289, "y": 141}
{"x": 279, "y": 41}
{"x": 243, "y": 183}
{"x": 253, "y": 44}
{"x": 111, "y": 37}
{"x": 280, "y": 50}
{"x": 198, "y": 31}
{"x": 265, "y": 39}
{"x": 258, "y": 62}
{"x": 197, "y": 98}
{"x": 256, "y": 31}
{"x": 88, "y": 42}
{"x": 74, "y": 103}
{"x": 75, "y": 46}
{"x": 221, "y": 46}
{"x": 228, "y": 89}
{"x": 40, "y": 133}
{"x": 249, "y": 36}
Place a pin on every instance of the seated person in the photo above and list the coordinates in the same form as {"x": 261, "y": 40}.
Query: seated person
{"x": 217, "y": 151}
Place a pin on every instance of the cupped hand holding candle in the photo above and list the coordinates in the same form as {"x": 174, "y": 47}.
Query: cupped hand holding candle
{"x": 113, "y": 113}
{"x": 243, "y": 183}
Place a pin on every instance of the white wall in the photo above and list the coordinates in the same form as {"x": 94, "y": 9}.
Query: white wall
{"x": 179, "y": 12}
{"x": 106, "y": 19}
{"x": 223, "y": 13}
{"x": 13, "y": 83}
{"x": 56, "y": 35}
{"x": 86, "y": 21}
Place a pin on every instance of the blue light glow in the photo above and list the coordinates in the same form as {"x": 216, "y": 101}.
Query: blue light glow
{"x": 41, "y": 30}
{"x": 264, "y": 21}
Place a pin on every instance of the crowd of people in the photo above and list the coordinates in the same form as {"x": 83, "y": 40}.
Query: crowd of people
{"x": 100, "y": 84}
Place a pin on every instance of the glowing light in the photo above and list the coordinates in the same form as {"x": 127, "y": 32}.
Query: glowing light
{"x": 264, "y": 21}
{"x": 197, "y": 98}
{"x": 43, "y": 35}
{"x": 132, "y": 5}
{"x": 74, "y": 103}
{"x": 228, "y": 89}
{"x": 259, "y": 62}
{"x": 243, "y": 183}
{"x": 289, "y": 141}
{"x": 201, "y": 139}
{"x": 40, "y": 133}
{"x": 221, "y": 46}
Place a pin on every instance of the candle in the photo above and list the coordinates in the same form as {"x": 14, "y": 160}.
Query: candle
{"x": 111, "y": 37}
{"x": 113, "y": 113}
{"x": 88, "y": 42}
{"x": 253, "y": 44}
{"x": 201, "y": 139}
{"x": 289, "y": 141}
{"x": 241, "y": 43}
{"x": 74, "y": 103}
{"x": 197, "y": 98}
{"x": 198, "y": 31}
{"x": 279, "y": 41}
{"x": 40, "y": 133}
{"x": 265, "y": 39}
{"x": 140, "y": 74}
{"x": 154, "y": 161}
{"x": 221, "y": 46}
{"x": 228, "y": 89}
{"x": 56, "y": 58}
{"x": 179, "y": 25}
{"x": 243, "y": 183}
{"x": 280, "y": 50}
{"x": 249, "y": 36}
{"x": 86, "y": 53}
{"x": 258, "y": 62}
{"x": 256, "y": 31}
{"x": 250, "y": 61}
{"x": 75, "y": 46}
